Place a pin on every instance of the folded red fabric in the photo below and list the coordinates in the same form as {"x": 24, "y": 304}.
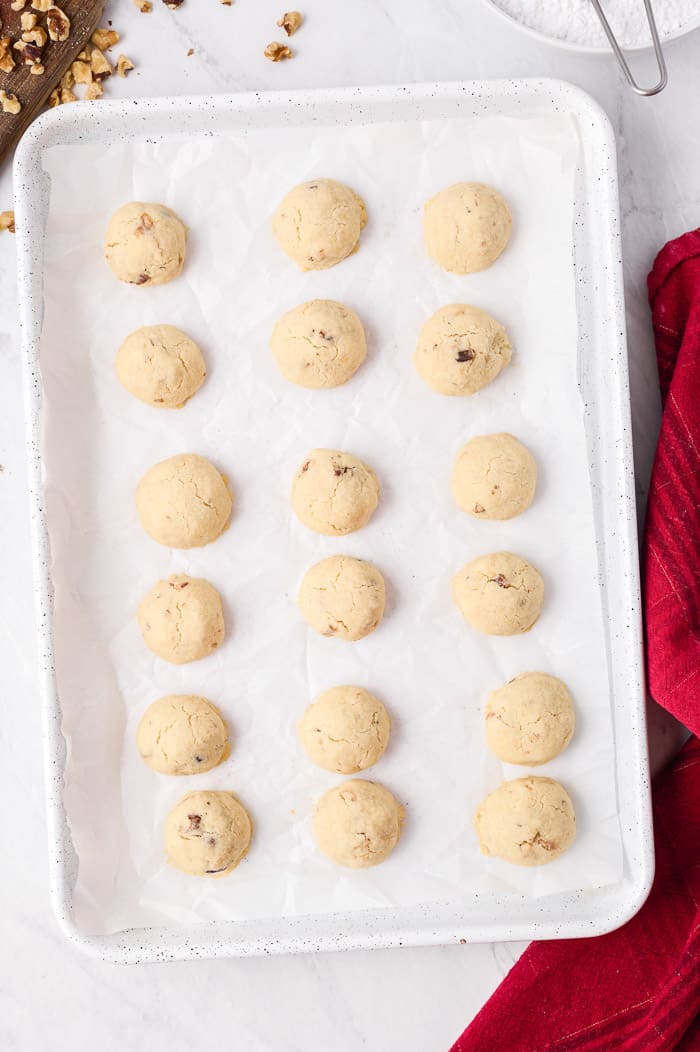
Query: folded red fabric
{"x": 638, "y": 988}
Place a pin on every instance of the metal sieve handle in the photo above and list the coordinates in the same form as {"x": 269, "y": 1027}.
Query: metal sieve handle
{"x": 619, "y": 54}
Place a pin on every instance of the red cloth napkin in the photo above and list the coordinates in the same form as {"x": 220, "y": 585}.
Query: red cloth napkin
{"x": 638, "y": 988}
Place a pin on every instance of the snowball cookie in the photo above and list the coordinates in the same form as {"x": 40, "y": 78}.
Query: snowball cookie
{"x": 345, "y": 730}
{"x": 499, "y": 594}
{"x": 207, "y": 833}
{"x": 530, "y": 720}
{"x": 466, "y": 227}
{"x": 181, "y": 619}
{"x": 318, "y": 223}
{"x": 529, "y": 821}
{"x": 161, "y": 366}
{"x": 334, "y": 493}
{"x": 182, "y": 734}
{"x": 342, "y": 597}
{"x": 358, "y": 823}
{"x": 461, "y": 349}
{"x": 145, "y": 244}
{"x": 319, "y": 344}
{"x": 494, "y": 477}
{"x": 183, "y": 502}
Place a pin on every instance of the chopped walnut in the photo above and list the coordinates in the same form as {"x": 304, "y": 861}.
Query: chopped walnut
{"x": 18, "y": 5}
{"x": 82, "y": 74}
{"x": 105, "y": 38}
{"x": 35, "y": 36}
{"x": 31, "y": 53}
{"x": 7, "y": 221}
{"x": 84, "y": 55}
{"x": 67, "y": 80}
{"x": 9, "y": 102}
{"x": 54, "y": 99}
{"x": 100, "y": 65}
{"x": 173, "y": 4}
{"x": 144, "y": 6}
{"x": 290, "y": 22}
{"x": 276, "y": 52}
{"x": 57, "y": 23}
{"x": 67, "y": 96}
{"x": 227, "y": 3}
{"x": 124, "y": 66}
{"x": 7, "y": 61}
{"x": 28, "y": 20}
{"x": 36, "y": 69}
{"x": 41, "y": 5}
{"x": 94, "y": 90}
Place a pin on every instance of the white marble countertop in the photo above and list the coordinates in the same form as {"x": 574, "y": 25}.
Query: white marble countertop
{"x": 412, "y": 999}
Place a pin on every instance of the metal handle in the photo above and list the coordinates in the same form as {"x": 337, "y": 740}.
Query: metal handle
{"x": 619, "y": 54}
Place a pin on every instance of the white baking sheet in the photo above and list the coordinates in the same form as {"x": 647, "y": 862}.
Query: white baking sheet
{"x": 429, "y": 667}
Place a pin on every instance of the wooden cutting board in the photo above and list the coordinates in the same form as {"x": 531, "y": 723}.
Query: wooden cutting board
{"x": 33, "y": 91}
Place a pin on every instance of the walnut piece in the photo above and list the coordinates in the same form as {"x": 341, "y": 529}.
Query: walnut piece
{"x": 144, "y": 6}
{"x": 82, "y": 74}
{"x": 9, "y": 102}
{"x": 28, "y": 20}
{"x": 7, "y": 221}
{"x": 7, "y": 61}
{"x": 94, "y": 90}
{"x": 290, "y": 22}
{"x": 67, "y": 80}
{"x": 67, "y": 96}
{"x": 35, "y": 36}
{"x": 124, "y": 66}
{"x": 42, "y": 5}
{"x": 173, "y": 4}
{"x": 276, "y": 52}
{"x": 57, "y": 23}
{"x": 36, "y": 69}
{"x": 54, "y": 99}
{"x": 18, "y": 5}
{"x": 105, "y": 38}
{"x": 100, "y": 66}
{"x": 31, "y": 53}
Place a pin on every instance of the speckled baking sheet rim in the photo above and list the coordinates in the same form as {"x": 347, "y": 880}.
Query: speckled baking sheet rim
{"x": 602, "y": 344}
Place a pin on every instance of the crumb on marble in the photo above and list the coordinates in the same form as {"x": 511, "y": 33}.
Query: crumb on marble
{"x": 124, "y": 66}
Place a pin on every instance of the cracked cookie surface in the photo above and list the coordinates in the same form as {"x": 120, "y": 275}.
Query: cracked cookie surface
{"x": 494, "y": 477}
{"x": 500, "y": 594}
{"x": 334, "y": 493}
{"x": 183, "y": 502}
{"x": 529, "y": 821}
{"x": 461, "y": 349}
{"x": 345, "y": 730}
{"x": 342, "y": 597}
{"x": 318, "y": 223}
{"x": 182, "y": 734}
{"x": 530, "y": 719}
{"x": 181, "y": 619}
{"x": 161, "y": 366}
{"x": 466, "y": 227}
{"x": 145, "y": 244}
{"x": 207, "y": 833}
{"x": 358, "y": 823}
{"x": 319, "y": 344}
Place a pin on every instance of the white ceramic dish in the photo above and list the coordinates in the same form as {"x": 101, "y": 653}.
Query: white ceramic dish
{"x": 587, "y": 49}
{"x": 603, "y": 378}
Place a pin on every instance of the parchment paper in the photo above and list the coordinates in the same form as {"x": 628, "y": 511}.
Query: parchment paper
{"x": 432, "y": 671}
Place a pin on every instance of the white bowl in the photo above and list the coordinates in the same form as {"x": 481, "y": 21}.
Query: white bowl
{"x": 587, "y": 49}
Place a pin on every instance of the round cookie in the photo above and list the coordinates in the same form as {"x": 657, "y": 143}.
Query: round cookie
{"x": 319, "y": 344}
{"x": 530, "y": 720}
{"x": 499, "y": 594}
{"x": 342, "y": 597}
{"x": 318, "y": 223}
{"x": 160, "y": 365}
{"x": 334, "y": 493}
{"x": 145, "y": 244}
{"x": 207, "y": 833}
{"x": 345, "y": 730}
{"x": 494, "y": 477}
{"x": 529, "y": 821}
{"x": 358, "y": 823}
{"x": 181, "y": 619}
{"x": 466, "y": 227}
{"x": 183, "y": 502}
{"x": 461, "y": 349}
{"x": 182, "y": 734}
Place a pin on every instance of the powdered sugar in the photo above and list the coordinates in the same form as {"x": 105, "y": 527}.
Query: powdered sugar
{"x": 576, "y": 22}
